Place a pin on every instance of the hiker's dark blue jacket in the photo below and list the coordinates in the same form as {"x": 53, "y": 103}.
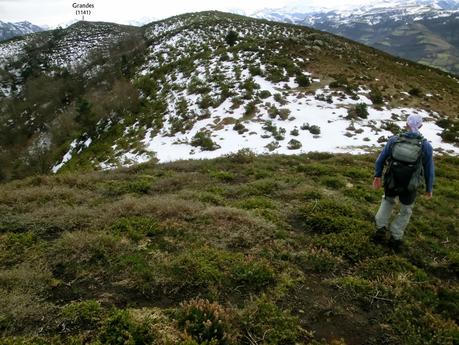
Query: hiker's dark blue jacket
{"x": 427, "y": 159}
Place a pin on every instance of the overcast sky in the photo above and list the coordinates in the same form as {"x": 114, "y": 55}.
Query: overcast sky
{"x": 54, "y": 12}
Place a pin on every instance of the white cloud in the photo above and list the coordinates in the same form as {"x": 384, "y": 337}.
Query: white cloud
{"x": 53, "y": 12}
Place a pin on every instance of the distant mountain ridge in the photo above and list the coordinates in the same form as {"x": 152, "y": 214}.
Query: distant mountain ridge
{"x": 10, "y": 30}
{"x": 425, "y": 31}
{"x": 403, "y": 7}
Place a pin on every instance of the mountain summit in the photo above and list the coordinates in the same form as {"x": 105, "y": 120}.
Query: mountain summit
{"x": 202, "y": 85}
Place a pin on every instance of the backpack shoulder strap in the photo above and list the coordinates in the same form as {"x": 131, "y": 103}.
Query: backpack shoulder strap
{"x": 391, "y": 148}
{"x": 417, "y": 140}
{"x": 396, "y": 139}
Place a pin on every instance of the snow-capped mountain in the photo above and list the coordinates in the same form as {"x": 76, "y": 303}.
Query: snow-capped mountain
{"x": 397, "y": 10}
{"x": 141, "y": 21}
{"x": 10, "y": 30}
{"x": 182, "y": 88}
{"x": 425, "y": 31}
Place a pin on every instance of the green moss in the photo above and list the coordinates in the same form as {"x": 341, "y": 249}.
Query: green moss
{"x": 23, "y": 304}
{"x": 209, "y": 267}
{"x": 85, "y": 314}
{"x": 317, "y": 260}
{"x": 256, "y": 202}
{"x": 37, "y": 340}
{"x": 208, "y": 197}
{"x": 264, "y": 186}
{"x": 121, "y": 329}
{"x": 136, "y": 228}
{"x": 313, "y": 169}
{"x": 357, "y": 173}
{"x": 14, "y": 247}
{"x": 355, "y": 286}
{"x": 119, "y": 187}
{"x": 333, "y": 182}
{"x": 81, "y": 253}
{"x": 416, "y": 327}
{"x": 390, "y": 265}
{"x": 224, "y": 176}
{"x": 137, "y": 267}
{"x": 262, "y": 319}
{"x": 327, "y": 216}
{"x": 448, "y": 304}
{"x": 362, "y": 194}
{"x": 352, "y": 245}
{"x": 453, "y": 258}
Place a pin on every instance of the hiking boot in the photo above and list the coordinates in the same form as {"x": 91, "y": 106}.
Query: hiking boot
{"x": 379, "y": 236}
{"x": 396, "y": 245}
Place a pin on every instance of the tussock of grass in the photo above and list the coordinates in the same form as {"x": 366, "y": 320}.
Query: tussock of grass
{"x": 23, "y": 304}
{"x": 276, "y": 248}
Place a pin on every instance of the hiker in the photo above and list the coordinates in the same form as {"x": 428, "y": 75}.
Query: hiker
{"x": 409, "y": 156}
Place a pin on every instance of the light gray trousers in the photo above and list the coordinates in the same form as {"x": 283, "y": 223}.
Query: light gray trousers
{"x": 398, "y": 225}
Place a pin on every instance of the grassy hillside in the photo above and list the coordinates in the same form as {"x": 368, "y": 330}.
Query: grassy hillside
{"x": 236, "y": 250}
{"x": 432, "y": 41}
{"x": 430, "y": 47}
{"x": 101, "y": 102}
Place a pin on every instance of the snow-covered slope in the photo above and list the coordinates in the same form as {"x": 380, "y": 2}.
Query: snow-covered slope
{"x": 61, "y": 48}
{"x": 83, "y": 38}
{"x": 180, "y": 90}
{"x": 282, "y": 117}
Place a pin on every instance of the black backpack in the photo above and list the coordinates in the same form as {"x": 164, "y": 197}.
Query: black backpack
{"x": 405, "y": 164}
